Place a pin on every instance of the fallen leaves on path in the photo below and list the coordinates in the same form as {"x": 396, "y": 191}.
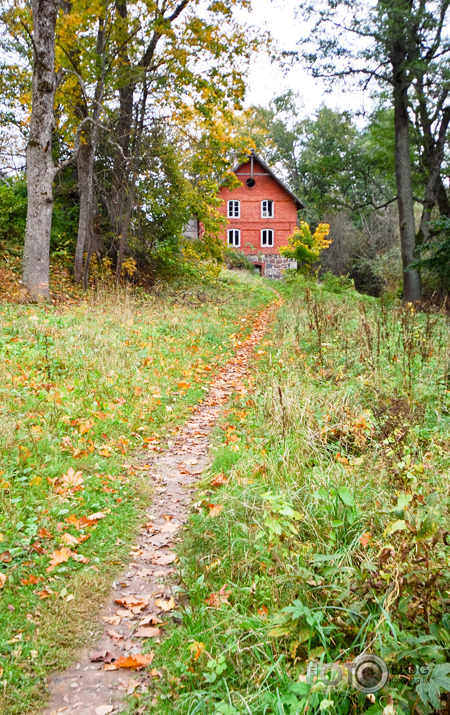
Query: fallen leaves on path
{"x": 165, "y": 605}
{"x": 134, "y": 662}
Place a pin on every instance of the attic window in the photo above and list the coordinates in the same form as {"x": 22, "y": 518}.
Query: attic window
{"x": 234, "y": 237}
{"x": 266, "y": 209}
{"x": 234, "y": 209}
{"x": 250, "y": 182}
{"x": 267, "y": 237}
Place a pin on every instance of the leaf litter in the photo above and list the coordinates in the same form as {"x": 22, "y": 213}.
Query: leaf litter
{"x": 141, "y": 597}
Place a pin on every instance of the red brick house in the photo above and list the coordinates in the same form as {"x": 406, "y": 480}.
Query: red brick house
{"x": 261, "y": 214}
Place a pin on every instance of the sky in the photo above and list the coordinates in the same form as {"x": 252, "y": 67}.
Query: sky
{"x": 267, "y": 80}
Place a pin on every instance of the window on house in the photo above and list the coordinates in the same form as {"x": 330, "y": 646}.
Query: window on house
{"x": 234, "y": 237}
{"x": 266, "y": 209}
{"x": 267, "y": 237}
{"x": 234, "y": 209}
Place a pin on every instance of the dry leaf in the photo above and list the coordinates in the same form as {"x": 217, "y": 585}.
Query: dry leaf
{"x": 215, "y": 600}
{"x": 44, "y": 534}
{"x": 5, "y": 557}
{"x": 152, "y": 619}
{"x": 45, "y": 594}
{"x": 104, "y": 709}
{"x": 96, "y": 517}
{"x": 134, "y": 662}
{"x": 169, "y": 528}
{"x": 101, "y": 656}
{"x": 148, "y": 632}
{"x": 218, "y": 480}
{"x": 64, "y": 554}
{"x": 114, "y": 634}
{"x": 129, "y": 601}
{"x": 214, "y": 509}
{"x": 164, "y": 559}
{"x": 30, "y": 580}
{"x": 165, "y": 605}
{"x": 112, "y": 620}
{"x": 72, "y": 479}
{"x": 3, "y": 578}
{"x": 68, "y": 539}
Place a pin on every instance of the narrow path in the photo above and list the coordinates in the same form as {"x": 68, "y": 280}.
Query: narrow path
{"x": 96, "y": 684}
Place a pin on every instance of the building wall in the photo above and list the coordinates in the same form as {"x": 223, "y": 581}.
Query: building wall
{"x": 250, "y": 222}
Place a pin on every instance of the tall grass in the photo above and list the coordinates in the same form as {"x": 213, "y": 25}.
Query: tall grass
{"x": 333, "y": 537}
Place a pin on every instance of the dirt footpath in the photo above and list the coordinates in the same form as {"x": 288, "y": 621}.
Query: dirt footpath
{"x": 114, "y": 666}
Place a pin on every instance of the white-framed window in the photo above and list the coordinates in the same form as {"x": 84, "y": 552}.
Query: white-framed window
{"x": 234, "y": 209}
{"x": 234, "y": 237}
{"x": 267, "y": 208}
{"x": 267, "y": 237}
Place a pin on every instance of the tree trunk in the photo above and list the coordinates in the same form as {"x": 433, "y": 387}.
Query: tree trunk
{"x": 85, "y": 165}
{"x": 40, "y": 167}
{"x": 411, "y": 278}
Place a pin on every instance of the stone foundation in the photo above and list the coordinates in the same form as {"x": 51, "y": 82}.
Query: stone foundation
{"x": 272, "y": 266}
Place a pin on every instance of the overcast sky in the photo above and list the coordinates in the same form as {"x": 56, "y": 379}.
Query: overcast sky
{"x": 268, "y": 80}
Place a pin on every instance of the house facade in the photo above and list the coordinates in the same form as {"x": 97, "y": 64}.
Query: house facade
{"x": 261, "y": 214}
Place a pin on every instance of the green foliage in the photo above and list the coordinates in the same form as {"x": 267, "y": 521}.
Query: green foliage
{"x": 305, "y": 247}
{"x": 435, "y": 254}
{"x": 13, "y": 213}
{"x": 332, "y": 538}
{"x": 237, "y": 260}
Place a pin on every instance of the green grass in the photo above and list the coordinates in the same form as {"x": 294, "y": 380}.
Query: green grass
{"x": 332, "y": 539}
{"x": 94, "y": 387}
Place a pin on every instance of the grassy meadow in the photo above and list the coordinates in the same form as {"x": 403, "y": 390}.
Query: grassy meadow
{"x": 330, "y": 537}
{"x": 90, "y": 388}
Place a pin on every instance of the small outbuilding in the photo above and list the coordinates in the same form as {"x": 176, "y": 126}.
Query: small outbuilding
{"x": 261, "y": 215}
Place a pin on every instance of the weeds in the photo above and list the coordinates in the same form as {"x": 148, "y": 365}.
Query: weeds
{"x": 333, "y": 538}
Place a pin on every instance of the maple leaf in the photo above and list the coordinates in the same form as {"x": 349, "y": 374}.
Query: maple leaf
{"x": 365, "y": 539}
{"x": 64, "y": 554}
{"x": 92, "y": 518}
{"x": 44, "y": 534}
{"x": 214, "y": 510}
{"x": 216, "y": 600}
{"x": 148, "y": 632}
{"x": 44, "y": 593}
{"x": 132, "y": 601}
{"x": 218, "y": 480}
{"x": 165, "y": 605}
{"x": 30, "y": 580}
{"x": 134, "y": 662}
{"x": 72, "y": 479}
{"x": 164, "y": 559}
{"x": 68, "y": 539}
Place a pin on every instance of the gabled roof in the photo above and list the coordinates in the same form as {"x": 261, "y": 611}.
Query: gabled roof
{"x": 299, "y": 204}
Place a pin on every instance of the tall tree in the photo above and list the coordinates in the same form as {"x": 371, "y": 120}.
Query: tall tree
{"x": 40, "y": 167}
{"x": 393, "y": 42}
